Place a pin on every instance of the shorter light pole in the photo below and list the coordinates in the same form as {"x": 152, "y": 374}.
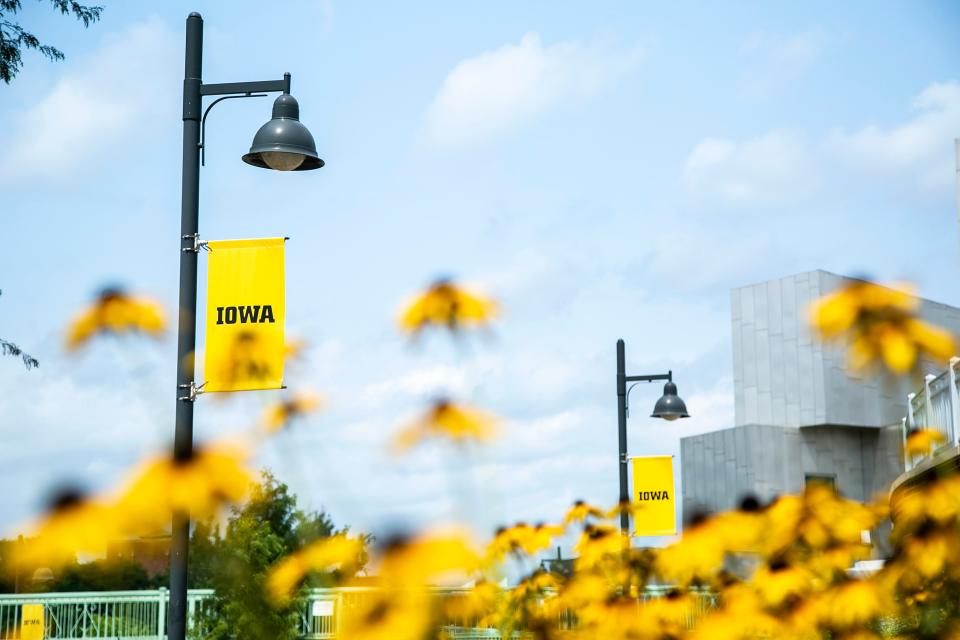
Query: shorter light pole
{"x": 669, "y": 407}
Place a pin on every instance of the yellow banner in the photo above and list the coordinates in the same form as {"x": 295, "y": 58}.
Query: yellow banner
{"x": 654, "y": 497}
{"x": 31, "y": 622}
{"x": 245, "y": 315}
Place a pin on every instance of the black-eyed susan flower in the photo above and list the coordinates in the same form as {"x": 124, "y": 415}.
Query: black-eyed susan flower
{"x": 340, "y": 552}
{"x": 445, "y": 420}
{"x": 403, "y": 607}
{"x": 279, "y": 415}
{"x": 200, "y": 485}
{"x": 780, "y": 582}
{"x": 249, "y": 360}
{"x": 597, "y": 543}
{"x": 389, "y": 615}
{"x": 476, "y": 603}
{"x": 851, "y": 604}
{"x": 580, "y": 511}
{"x": 295, "y": 349}
{"x": 521, "y": 538}
{"x": 697, "y": 556}
{"x": 741, "y": 617}
{"x": 447, "y": 305}
{"x": 408, "y": 562}
{"x": 880, "y": 324}
{"x": 73, "y": 524}
{"x": 117, "y": 312}
{"x": 922, "y": 442}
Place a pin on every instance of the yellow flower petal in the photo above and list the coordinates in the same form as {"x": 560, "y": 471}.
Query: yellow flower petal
{"x": 449, "y": 306}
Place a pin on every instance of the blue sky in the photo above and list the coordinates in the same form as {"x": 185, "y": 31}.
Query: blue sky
{"x": 605, "y": 171}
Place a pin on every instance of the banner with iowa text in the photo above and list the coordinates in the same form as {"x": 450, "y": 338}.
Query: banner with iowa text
{"x": 654, "y": 506}
{"x": 245, "y": 315}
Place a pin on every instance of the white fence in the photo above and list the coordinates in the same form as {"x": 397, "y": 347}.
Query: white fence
{"x": 936, "y": 406}
{"x": 138, "y": 615}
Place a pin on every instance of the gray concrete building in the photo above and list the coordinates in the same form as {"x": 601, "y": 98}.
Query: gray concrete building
{"x": 800, "y": 414}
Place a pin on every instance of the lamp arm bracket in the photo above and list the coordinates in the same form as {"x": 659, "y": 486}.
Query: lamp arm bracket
{"x": 651, "y": 378}
{"x": 203, "y": 121}
{"x": 668, "y": 376}
{"x": 224, "y": 88}
{"x": 626, "y": 404}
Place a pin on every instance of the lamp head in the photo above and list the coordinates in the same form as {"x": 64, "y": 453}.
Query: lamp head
{"x": 284, "y": 143}
{"x": 670, "y": 406}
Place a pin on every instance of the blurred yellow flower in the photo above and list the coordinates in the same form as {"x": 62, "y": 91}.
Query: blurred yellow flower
{"x": 448, "y": 421}
{"x": 409, "y": 563}
{"x": 856, "y": 602}
{"x": 403, "y": 607}
{"x": 73, "y": 524}
{"x": 929, "y": 554}
{"x": 740, "y": 617}
{"x": 445, "y": 304}
{"x": 597, "y": 543}
{"x": 535, "y": 584}
{"x": 212, "y": 477}
{"x": 114, "y": 311}
{"x": 880, "y": 324}
{"x": 521, "y": 538}
{"x": 247, "y": 359}
{"x": 294, "y": 349}
{"x": 279, "y": 415}
{"x": 585, "y": 588}
{"x": 776, "y": 584}
{"x": 338, "y": 552}
{"x": 697, "y": 556}
{"x": 474, "y": 603}
{"x": 617, "y": 618}
{"x": 580, "y": 511}
{"x": 923, "y": 441}
{"x": 670, "y": 614}
{"x": 389, "y": 615}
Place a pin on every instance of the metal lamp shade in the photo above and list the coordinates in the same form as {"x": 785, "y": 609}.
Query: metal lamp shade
{"x": 670, "y": 406}
{"x": 284, "y": 143}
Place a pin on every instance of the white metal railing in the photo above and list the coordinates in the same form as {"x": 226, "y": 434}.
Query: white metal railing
{"x": 936, "y": 406}
{"x": 134, "y": 615}
{"x": 137, "y": 615}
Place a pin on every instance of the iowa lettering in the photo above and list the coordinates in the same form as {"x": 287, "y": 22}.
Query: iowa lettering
{"x": 653, "y": 495}
{"x": 248, "y": 314}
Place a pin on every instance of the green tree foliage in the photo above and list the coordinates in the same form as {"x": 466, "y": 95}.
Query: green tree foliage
{"x": 14, "y": 38}
{"x": 105, "y": 575}
{"x": 259, "y": 533}
{"x": 8, "y": 348}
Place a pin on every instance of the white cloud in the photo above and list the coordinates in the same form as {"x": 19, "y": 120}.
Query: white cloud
{"x": 918, "y": 151}
{"x": 773, "y": 168}
{"x": 97, "y": 104}
{"x": 782, "y": 167}
{"x": 501, "y": 89}
{"x": 710, "y": 409}
{"x": 57, "y": 430}
{"x": 419, "y": 383}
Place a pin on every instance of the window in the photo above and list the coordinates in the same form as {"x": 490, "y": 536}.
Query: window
{"x": 827, "y": 479}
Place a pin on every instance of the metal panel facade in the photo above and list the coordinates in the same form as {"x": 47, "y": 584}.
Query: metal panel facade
{"x": 783, "y": 376}
{"x": 798, "y": 409}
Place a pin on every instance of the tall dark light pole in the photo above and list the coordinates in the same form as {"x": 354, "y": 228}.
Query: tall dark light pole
{"x": 668, "y": 407}
{"x": 283, "y": 144}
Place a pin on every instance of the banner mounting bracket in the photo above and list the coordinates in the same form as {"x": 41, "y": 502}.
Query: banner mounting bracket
{"x": 197, "y": 243}
{"x": 194, "y": 391}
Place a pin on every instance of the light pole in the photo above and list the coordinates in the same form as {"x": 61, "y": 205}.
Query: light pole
{"x": 668, "y": 407}
{"x": 283, "y": 144}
